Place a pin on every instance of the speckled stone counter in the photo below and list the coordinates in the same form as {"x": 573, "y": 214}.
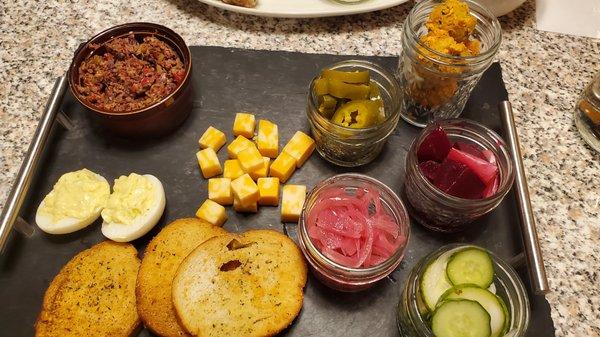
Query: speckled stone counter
{"x": 544, "y": 72}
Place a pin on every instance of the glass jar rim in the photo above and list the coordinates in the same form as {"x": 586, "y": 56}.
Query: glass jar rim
{"x": 402, "y": 214}
{"x": 502, "y": 188}
{"x": 480, "y": 58}
{"x": 368, "y": 65}
{"x": 513, "y": 279}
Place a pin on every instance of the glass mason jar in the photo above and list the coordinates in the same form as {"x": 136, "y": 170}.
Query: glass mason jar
{"x": 506, "y": 281}
{"x": 436, "y": 85}
{"x": 443, "y": 212}
{"x": 333, "y": 274}
{"x": 587, "y": 113}
{"x": 351, "y": 147}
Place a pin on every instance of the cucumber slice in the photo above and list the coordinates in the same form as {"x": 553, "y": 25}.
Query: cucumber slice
{"x": 471, "y": 266}
{"x": 506, "y": 314}
{"x": 433, "y": 281}
{"x": 490, "y": 302}
{"x": 422, "y": 307}
{"x": 460, "y": 318}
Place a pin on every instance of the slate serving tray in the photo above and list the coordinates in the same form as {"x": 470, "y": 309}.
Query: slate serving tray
{"x": 273, "y": 85}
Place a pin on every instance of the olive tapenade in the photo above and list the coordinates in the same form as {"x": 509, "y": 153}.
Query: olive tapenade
{"x": 129, "y": 73}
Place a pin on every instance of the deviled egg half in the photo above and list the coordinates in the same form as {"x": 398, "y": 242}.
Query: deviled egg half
{"x": 134, "y": 207}
{"x": 75, "y": 202}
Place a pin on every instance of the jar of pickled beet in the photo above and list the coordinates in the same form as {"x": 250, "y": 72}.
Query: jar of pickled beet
{"x": 335, "y": 263}
{"x": 506, "y": 292}
{"x": 356, "y": 145}
{"x": 442, "y": 202}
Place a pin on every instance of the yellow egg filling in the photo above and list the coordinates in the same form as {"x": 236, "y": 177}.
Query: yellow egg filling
{"x": 132, "y": 196}
{"x": 76, "y": 195}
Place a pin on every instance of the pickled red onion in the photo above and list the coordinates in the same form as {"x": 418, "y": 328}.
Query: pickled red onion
{"x": 353, "y": 230}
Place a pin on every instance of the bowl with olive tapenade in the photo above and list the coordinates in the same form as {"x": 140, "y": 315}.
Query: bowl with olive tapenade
{"x": 134, "y": 78}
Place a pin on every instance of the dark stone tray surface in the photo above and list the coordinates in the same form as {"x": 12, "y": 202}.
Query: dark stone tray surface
{"x": 272, "y": 85}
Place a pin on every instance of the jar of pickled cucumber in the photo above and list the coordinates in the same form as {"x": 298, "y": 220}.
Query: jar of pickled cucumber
{"x": 353, "y": 107}
{"x": 506, "y": 292}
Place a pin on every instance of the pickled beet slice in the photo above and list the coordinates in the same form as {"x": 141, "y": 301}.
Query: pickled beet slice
{"x": 459, "y": 180}
{"x": 429, "y": 169}
{"x": 489, "y": 156}
{"x": 470, "y": 149}
{"x": 435, "y": 146}
{"x": 481, "y": 167}
{"x": 491, "y": 188}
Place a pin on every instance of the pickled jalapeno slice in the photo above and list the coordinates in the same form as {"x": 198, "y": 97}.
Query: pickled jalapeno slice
{"x": 341, "y": 89}
{"x": 320, "y": 86}
{"x": 357, "y": 114}
{"x": 327, "y": 105}
{"x": 354, "y": 77}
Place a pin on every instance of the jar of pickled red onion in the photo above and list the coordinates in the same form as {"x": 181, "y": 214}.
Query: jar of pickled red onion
{"x": 331, "y": 267}
{"x": 440, "y": 211}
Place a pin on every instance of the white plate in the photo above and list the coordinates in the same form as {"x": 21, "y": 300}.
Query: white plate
{"x": 306, "y": 8}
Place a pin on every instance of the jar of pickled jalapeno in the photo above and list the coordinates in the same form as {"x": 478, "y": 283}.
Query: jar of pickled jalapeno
{"x": 353, "y": 107}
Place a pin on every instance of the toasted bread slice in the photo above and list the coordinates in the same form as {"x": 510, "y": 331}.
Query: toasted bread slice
{"x": 93, "y": 295}
{"x": 249, "y": 284}
{"x": 163, "y": 256}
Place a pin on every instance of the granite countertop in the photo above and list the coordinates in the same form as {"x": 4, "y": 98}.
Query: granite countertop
{"x": 544, "y": 73}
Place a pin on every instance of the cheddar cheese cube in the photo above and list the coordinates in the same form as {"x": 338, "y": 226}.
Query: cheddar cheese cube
{"x": 212, "y": 213}
{"x": 219, "y": 191}
{"x": 237, "y": 145}
{"x": 292, "y": 201}
{"x": 268, "y": 191}
{"x": 250, "y": 159}
{"x": 243, "y": 125}
{"x": 209, "y": 163}
{"x": 245, "y": 190}
{"x": 240, "y": 208}
{"x": 283, "y": 167}
{"x": 212, "y": 138}
{"x": 267, "y": 139}
{"x": 300, "y": 147}
{"x": 232, "y": 169}
{"x": 262, "y": 171}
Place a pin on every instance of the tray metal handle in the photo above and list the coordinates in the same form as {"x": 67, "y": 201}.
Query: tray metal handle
{"x": 21, "y": 185}
{"x": 535, "y": 261}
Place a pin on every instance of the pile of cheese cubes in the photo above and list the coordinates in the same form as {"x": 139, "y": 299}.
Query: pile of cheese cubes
{"x": 249, "y": 178}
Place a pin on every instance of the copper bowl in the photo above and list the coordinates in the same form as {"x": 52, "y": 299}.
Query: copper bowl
{"x": 157, "y": 119}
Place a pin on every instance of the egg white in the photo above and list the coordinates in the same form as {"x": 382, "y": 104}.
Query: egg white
{"x": 68, "y": 224}
{"x": 143, "y": 223}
